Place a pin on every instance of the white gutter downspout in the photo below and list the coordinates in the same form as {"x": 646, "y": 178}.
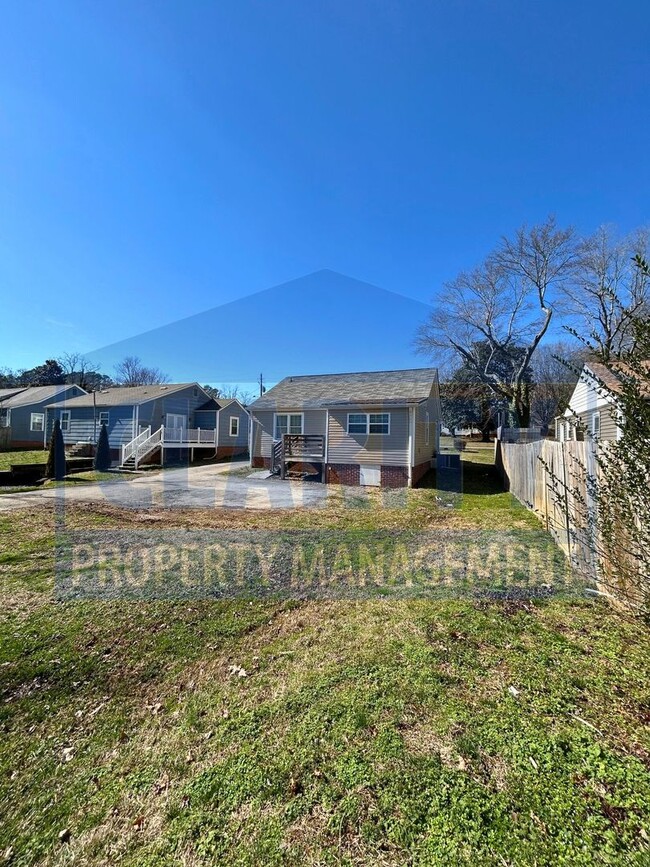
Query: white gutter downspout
{"x": 327, "y": 444}
{"x": 216, "y": 437}
{"x": 411, "y": 444}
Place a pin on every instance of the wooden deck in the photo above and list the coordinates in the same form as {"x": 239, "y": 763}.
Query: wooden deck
{"x": 297, "y": 449}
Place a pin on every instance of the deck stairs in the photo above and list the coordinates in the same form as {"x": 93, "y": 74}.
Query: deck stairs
{"x": 140, "y": 448}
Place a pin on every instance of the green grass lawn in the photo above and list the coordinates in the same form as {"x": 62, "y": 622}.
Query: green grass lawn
{"x": 36, "y": 456}
{"x": 457, "y": 730}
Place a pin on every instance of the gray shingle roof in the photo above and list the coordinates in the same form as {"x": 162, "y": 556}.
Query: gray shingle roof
{"x": 35, "y": 394}
{"x": 397, "y": 387}
{"x": 9, "y": 392}
{"x": 128, "y": 396}
{"x": 608, "y": 375}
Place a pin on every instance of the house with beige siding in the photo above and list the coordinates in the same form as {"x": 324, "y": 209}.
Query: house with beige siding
{"x": 593, "y": 409}
{"x": 378, "y": 428}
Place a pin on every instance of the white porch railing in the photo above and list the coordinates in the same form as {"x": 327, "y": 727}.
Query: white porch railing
{"x": 130, "y": 449}
{"x": 188, "y": 436}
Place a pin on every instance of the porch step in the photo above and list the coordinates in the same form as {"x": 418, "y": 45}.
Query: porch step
{"x": 81, "y": 450}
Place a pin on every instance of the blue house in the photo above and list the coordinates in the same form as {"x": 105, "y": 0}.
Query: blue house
{"x": 154, "y": 422}
{"x": 24, "y": 411}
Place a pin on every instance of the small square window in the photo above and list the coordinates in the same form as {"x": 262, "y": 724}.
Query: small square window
{"x": 37, "y": 420}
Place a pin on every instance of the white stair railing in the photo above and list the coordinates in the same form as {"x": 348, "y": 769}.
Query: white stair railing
{"x": 130, "y": 448}
{"x": 148, "y": 445}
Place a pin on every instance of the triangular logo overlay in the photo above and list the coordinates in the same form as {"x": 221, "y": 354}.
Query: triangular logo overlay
{"x": 322, "y": 322}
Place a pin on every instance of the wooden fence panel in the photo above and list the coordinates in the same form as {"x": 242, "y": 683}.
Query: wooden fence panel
{"x": 5, "y": 438}
{"x": 555, "y": 480}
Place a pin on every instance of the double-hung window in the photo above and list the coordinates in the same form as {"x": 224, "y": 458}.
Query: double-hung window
{"x": 37, "y": 421}
{"x": 234, "y": 425}
{"x": 103, "y": 418}
{"x": 595, "y": 424}
{"x": 288, "y": 423}
{"x": 65, "y": 420}
{"x": 368, "y": 423}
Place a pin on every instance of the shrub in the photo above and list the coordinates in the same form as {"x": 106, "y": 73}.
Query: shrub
{"x": 55, "y": 467}
{"x": 103, "y": 451}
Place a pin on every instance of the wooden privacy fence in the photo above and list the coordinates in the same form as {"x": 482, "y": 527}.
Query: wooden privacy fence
{"x": 556, "y": 480}
{"x": 5, "y": 437}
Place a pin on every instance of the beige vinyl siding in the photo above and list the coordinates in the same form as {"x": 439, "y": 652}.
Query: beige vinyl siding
{"x": 425, "y": 451}
{"x": 608, "y": 427}
{"x": 388, "y": 449}
{"x": 313, "y": 423}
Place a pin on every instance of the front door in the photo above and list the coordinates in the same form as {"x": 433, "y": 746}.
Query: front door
{"x": 177, "y": 423}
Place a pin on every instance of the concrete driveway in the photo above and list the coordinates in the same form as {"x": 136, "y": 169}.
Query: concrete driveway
{"x": 213, "y": 486}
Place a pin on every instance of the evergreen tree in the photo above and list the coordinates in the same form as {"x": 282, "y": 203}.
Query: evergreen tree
{"x": 103, "y": 452}
{"x": 55, "y": 467}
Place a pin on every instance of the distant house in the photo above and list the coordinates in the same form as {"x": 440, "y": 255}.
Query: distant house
{"x": 378, "y": 428}
{"x": 154, "y": 422}
{"x": 24, "y": 411}
{"x": 593, "y": 409}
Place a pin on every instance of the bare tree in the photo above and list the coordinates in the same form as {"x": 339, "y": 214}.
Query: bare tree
{"x": 506, "y": 303}
{"x": 234, "y": 392}
{"x": 131, "y": 371}
{"x": 554, "y": 373}
{"x": 78, "y": 370}
{"x": 609, "y": 292}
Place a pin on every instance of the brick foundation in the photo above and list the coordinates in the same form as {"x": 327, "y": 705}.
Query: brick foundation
{"x": 343, "y": 474}
{"x": 349, "y": 474}
{"x": 419, "y": 472}
{"x": 394, "y": 477}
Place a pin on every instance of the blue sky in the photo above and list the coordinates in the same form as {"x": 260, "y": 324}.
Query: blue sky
{"x": 163, "y": 158}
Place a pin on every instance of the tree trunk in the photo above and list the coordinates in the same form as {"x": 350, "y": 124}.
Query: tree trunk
{"x": 521, "y": 405}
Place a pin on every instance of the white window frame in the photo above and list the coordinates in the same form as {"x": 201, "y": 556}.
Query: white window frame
{"x": 32, "y": 418}
{"x": 595, "y": 416}
{"x": 65, "y": 419}
{"x": 234, "y": 418}
{"x": 288, "y": 415}
{"x": 367, "y": 431}
{"x": 175, "y": 415}
{"x": 106, "y": 413}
